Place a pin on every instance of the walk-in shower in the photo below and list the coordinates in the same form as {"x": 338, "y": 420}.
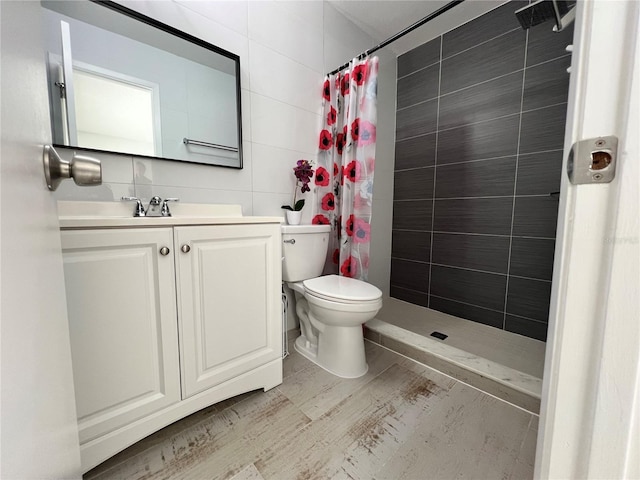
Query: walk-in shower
{"x": 479, "y": 132}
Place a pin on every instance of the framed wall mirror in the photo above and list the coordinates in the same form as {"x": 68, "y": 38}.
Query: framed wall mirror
{"x": 122, "y": 82}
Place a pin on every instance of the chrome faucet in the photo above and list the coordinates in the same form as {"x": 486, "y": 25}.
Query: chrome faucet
{"x": 138, "y": 210}
{"x": 165, "y": 206}
{"x": 154, "y": 209}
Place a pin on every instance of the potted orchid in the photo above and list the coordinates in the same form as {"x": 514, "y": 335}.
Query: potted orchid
{"x": 303, "y": 173}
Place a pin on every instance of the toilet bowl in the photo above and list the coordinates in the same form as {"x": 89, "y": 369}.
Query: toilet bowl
{"x": 331, "y": 309}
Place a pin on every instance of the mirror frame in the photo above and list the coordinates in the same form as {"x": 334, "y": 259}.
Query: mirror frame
{"x": 190, "y": 38}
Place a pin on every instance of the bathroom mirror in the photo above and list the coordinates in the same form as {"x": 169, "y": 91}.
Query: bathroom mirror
{"x": 122, "y": 82}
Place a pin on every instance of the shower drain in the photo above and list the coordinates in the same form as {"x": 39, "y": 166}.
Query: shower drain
{"x": 439, "y": 336}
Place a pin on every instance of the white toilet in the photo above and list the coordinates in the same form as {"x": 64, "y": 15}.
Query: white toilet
{"x": 331, "y": 309}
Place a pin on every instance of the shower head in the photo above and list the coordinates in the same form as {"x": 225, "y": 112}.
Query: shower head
{"x": 561, "y": 11}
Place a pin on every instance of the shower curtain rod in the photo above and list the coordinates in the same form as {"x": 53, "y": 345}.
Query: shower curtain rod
{"x": 402, "y": 33}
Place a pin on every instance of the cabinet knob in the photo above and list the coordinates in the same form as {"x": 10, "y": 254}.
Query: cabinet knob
{"x": 185, "y": 248}
{"x": 164, "y": 251}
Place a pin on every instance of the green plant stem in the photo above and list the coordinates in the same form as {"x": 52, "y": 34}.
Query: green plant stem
{"x": 295, "y": 192}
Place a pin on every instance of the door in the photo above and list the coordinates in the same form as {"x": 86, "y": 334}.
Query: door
{"x": 39, "y": 432}
{"x": 229, "y": 281}
{"x": 589, "y": 418}
{"x": 122, "y": 321}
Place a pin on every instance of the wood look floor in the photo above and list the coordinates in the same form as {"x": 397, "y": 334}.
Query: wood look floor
{"x": 400, "y": 421}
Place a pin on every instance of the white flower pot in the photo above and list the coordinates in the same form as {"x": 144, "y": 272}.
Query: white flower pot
{"x": 293, "y": 218}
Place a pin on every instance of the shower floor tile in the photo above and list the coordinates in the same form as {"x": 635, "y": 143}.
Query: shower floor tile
{"x": 505, "y": 348}
{"x": 401, "y": 421}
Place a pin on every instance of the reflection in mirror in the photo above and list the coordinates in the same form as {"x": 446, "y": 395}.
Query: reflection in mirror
{"x": 124, "y": 83}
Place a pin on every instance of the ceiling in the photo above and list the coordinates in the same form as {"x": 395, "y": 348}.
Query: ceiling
{"x": 384, "y": 18}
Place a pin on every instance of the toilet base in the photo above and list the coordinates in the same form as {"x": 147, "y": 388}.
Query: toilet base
{"x": 310, "y": 352}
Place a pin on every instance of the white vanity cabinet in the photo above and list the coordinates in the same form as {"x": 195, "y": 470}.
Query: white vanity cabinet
{"x": 122, "y": 322}
{"x": 228, "y": 280}
{"x": 168, "y": 318}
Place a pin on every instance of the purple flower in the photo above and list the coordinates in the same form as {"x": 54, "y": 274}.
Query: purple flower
{"x": 303, "y": 173}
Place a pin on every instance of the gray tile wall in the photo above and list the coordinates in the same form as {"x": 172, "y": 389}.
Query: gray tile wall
{"x": 479, "y": 135}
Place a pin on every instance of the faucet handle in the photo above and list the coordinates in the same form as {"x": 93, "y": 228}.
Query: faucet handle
{"x": 139, "y": 209}
{"x": 165, "y": 206}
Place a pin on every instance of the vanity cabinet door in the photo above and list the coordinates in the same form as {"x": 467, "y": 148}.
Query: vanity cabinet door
{"x": 122, "y": 320}
{"x": 229, "y": 304}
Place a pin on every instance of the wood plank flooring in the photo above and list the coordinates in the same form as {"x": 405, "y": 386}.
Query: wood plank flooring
{"x": 401, "y": 420}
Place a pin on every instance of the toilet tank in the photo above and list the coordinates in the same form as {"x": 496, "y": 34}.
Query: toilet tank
{"x": 304, "y": 251}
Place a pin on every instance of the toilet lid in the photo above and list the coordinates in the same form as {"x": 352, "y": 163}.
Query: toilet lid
{"x": 342, "y": 289}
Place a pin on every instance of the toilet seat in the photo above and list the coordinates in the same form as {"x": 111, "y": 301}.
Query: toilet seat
{"x": 344, "y": 290}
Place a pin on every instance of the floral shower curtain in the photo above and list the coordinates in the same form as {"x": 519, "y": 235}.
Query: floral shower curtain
{"x": 344, "y": 174}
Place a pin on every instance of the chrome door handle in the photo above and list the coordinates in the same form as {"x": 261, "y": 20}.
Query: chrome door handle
{"x": 164, "y": 251}
{"x": 292, "y": 241}
{"x": 85, "y": 171}
{"x": 185, "y": 248}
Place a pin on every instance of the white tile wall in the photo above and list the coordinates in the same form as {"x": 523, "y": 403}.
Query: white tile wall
{"x": 300, "y": 86}
{"x": 274, "y": 159}
{"x": 245, "y": 101}
{"x": 311, "y": 12}
{"x": 269, "y": 203}
{"x": 281, "y": 125}
{"x": 274, "y": 25}
{"x": 207, "y": 195}
{"x": 345, "y": 42}
{"x": 231, "y": 14}
{"x": 106, "y": 192}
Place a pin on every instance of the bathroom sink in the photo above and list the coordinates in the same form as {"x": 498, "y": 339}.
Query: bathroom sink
{"x": 120, "y": 214}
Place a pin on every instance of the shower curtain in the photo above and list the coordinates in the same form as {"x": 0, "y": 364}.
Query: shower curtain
{"x": 344, "y": 174}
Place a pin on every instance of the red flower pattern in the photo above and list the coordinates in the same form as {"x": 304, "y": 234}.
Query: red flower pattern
{"x": 322, "y": 177}
{"x": 326, "y": 90}
{"x": 326, "y": 142}
{"x": 350, "y": 224}
{"x": 339, "y": 142}
{"x": 355, "y": 129}
{"x": 353, "y": 171}
{"x": 344, "y": 84}
{"x": 320, "y": 220}
{"x": 349, "y": 267}
{"x": 366, "y": 133}
{"x": 328, "y": 202}
{"x": 355, "y": 133}
{"x": 360, "y": 73}
{"x": 331, "y": 116}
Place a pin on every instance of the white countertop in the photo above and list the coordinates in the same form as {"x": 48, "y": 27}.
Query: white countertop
{"x": 120, "y": 214}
